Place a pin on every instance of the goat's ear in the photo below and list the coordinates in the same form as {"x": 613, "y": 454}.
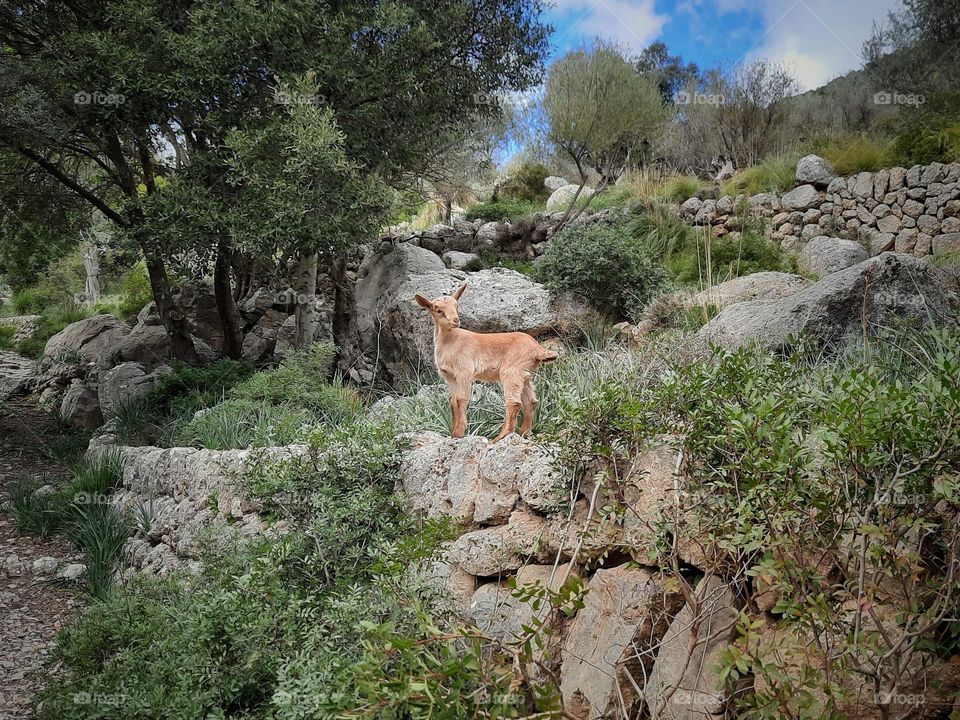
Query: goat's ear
{"x": 423, "y": 302}
{"x": 459, "y": 292}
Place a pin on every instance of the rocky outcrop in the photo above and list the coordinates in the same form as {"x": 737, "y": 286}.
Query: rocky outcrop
{"x": 189, "y": 496}
{"x": 609, "y": 646}
{"x": 878, "y": 292}
{"x": 756, "y": 286}
{"x": 824, "y": 255}
{"x": 92, "y": 340}
{"x": 17, "y": 373}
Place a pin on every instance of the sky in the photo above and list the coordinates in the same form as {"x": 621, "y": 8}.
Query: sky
{"x": 817, "y": 39}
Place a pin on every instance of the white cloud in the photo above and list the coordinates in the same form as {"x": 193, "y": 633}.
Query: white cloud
{"x": 818, "y": 39}
{"x": 632, "y": 23}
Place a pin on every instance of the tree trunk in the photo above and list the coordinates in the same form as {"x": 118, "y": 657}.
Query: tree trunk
{"x": 174, "y": 321}
{"x": 306, "y": 286}
{"x": 91, "y": 262}
{"x": 226, "y": 304}
{"x": 341, "y": 301}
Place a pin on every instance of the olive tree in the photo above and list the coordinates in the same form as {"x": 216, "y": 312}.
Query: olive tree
{"x": 128, "y": 105}
{"x": 601, "y": 112}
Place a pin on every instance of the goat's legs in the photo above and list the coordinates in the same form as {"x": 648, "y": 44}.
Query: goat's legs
{"x": 459, "y": 402}
{"x": 528, "y": 400}
{"x": 512, "y": 396}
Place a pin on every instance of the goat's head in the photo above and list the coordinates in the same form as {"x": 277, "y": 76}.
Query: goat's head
{"x": 443, "y": 309}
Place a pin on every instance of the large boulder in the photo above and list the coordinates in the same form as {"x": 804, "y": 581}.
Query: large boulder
{"x": 888, "y": 288}
{"x": 17, "y": 373}
{"x": 496, "y": 611}
{"x": 561, "y": 198}
{"x": 321, "y": 330}
{"x": 457, "y": 260}
{"x": 80, "y": 407}
{"x": 92, "y": 340}
{"x": 684, "y": 683}
{"x": 198, "y": 303}
{"x": 259, "y": 343}
{"x": 824, "y": 255}
{"x": 814, "y": 170}
{"x": 125, "y": 384}
{"x": 554, "y": 182}
{"x": 608, "y": 648}
{"x": 758, "y": 286}
{"x": 391, "y": 326}
{"x": 150, "y": 345}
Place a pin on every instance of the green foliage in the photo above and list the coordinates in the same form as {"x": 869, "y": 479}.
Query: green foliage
{"x": 776, "y": 173}
{"x": 600, "y": 110}
{"x": 502, "y": 209}
{"x": 242, "y": 424}
{"x": 658, "y": 229}
{"x": 733, "y": 255}
{"x": 526, "y": 184}
{"x": 188, "y": 388}
{"x": 932, "y": 135}
{"x": 36, "y": 513}
{"x": 604, "y": 265}
{"x": 683, "y": 187}
{"x": 135, "y": 291}
{"x": 100, "y": 531}
{"x": 6, "y": 336}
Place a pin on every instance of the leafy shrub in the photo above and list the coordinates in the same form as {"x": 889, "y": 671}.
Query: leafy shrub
{"x": 502, "y": 209}
{"x": 135, "y": 291}
{"x": 775, "y": 174}
{"x": 604, "y": 265}
{"x": 526, "y": 184}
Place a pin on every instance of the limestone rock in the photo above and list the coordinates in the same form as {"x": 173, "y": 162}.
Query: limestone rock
{"x": 91, "y": 340}
{"x": 456, "y": 260}
{"x": 561, "y": 198}
{"x": 801, "y": 198}
{"x": 901, "y": 286}
{"x": 756, "y": 286}
{"x": 613, "y": 639}
{"x": 495, "y": 550}
{"x": 814, "y": 170}
{"x": 81, "y": 407}
{"x": 824, "y": 255}
{"x": 554, "y": 183}
{"x": 126, "y": 384}
{"x": 698, "y": 690}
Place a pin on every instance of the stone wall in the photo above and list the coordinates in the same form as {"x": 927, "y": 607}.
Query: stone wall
{"x": 914, "y": 210}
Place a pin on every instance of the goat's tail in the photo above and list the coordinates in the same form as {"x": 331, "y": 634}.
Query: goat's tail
{"x": 547, "y": 355}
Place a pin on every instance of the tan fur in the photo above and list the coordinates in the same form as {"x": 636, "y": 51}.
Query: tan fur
{"x": 463, "y": 356}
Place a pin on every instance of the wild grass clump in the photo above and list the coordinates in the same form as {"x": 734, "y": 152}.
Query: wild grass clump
{"x": 859, "y": 154}
{"x": 776, "y": 173}
{"x": 35, "y": 512}
{"x": 680, "y": 188}
{"x": 99, "y": 531}
{"x": 502, "y": 209}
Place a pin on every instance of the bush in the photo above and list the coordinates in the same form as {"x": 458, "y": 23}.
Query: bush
{"x": 503, "y": 209}
{"x": 683, "y": 187}
{"x": 526, "y": 184}
{"x": 135, "y": 291}
{"x": 604, "y": 265}
{"x": 932, "y": 135}
{"x": 775, "y": 174}
{"x": 188, "y": 388}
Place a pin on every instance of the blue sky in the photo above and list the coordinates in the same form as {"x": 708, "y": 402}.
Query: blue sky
{"x": 817, "y": 39}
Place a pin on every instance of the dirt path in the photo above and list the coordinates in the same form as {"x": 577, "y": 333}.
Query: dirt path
{"x": 32, "y": 607}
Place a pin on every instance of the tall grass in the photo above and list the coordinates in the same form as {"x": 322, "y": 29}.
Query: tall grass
{"x": 36, "y": 513}
{"x": 774, "y": 174}
{"x": 858, "y": 154}
{"x": 100, "y": 531}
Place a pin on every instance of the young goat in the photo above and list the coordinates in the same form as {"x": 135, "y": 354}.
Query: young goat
{"x": 463, "y": 356}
